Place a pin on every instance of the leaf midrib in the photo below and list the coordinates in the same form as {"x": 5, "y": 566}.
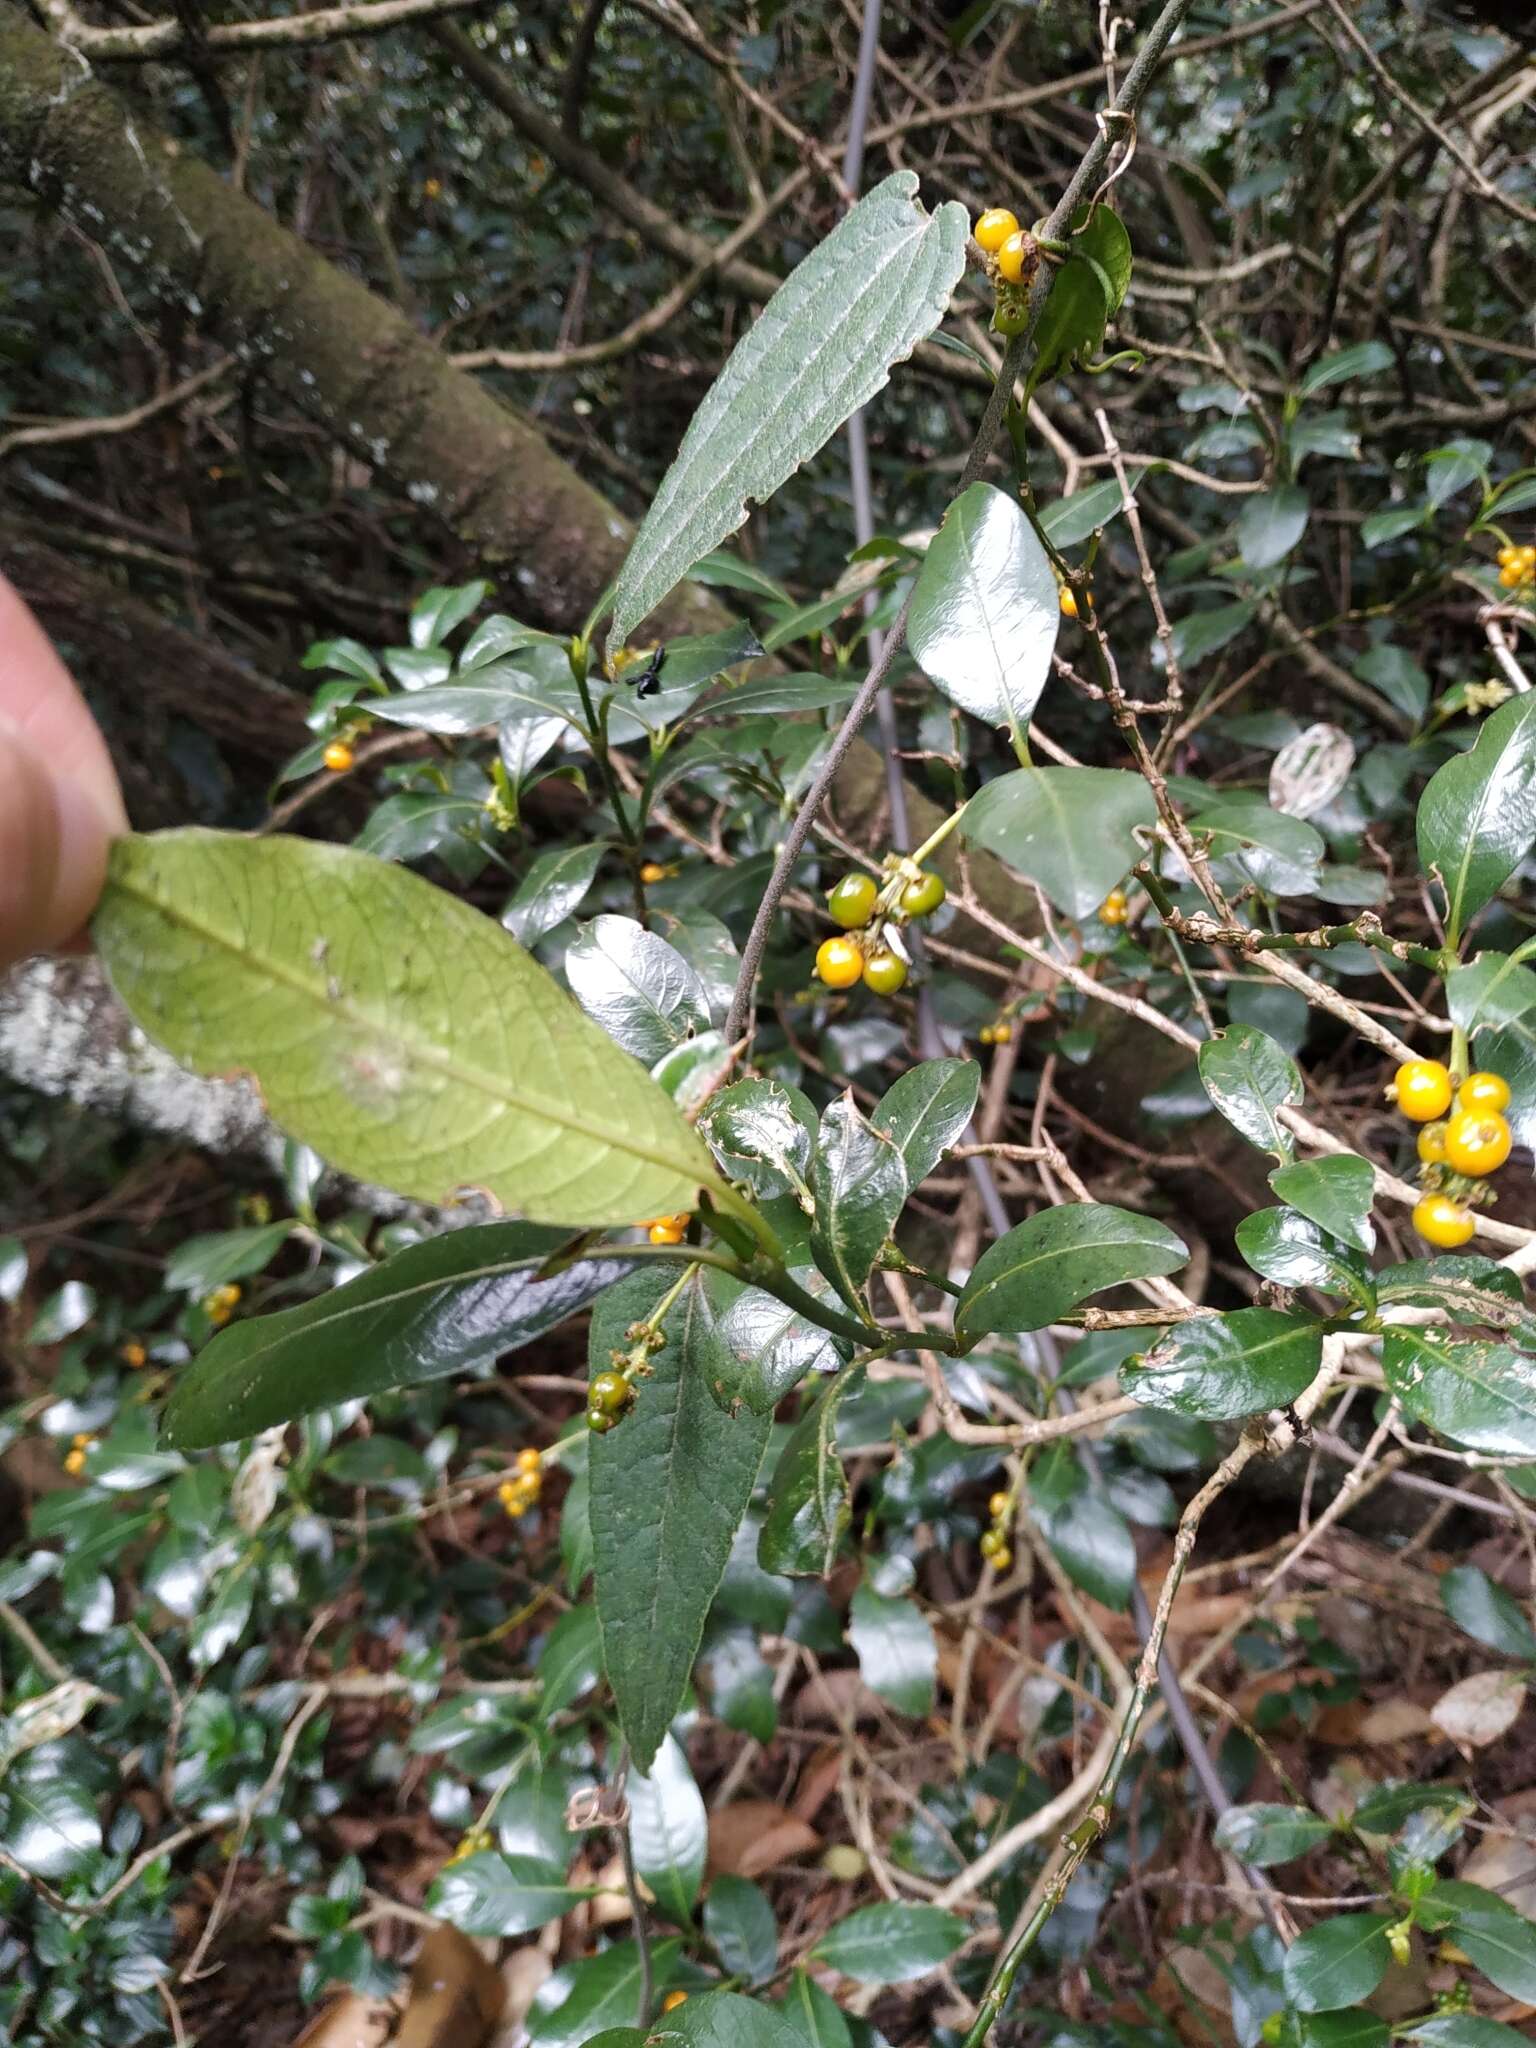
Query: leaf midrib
{"x": 497, "y": 1091}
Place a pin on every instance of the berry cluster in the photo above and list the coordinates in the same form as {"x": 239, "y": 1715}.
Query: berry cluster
{"x": 609, "y": 1394}
{"x": 1457, "y": 1151}
{"x": 74, "y": 1457}
{"x": 219, "y": 1306}
{"x": 1517, "y": 566}
{"x": 666, "y": 1229}
{"x": 518, "y": 1495}
{"x": 1000, "y": 1033}
{"x": 1012, "y": 248}
{"x": 1114, "y": 909}
{"x": 871, "y": 909}
{"x": 994, "y": 1541}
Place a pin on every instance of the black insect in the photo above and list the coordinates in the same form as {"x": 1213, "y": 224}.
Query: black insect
{"x": 648, "y": 681}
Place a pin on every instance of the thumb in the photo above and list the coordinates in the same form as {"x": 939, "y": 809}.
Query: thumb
{"x": 59, "y": 803}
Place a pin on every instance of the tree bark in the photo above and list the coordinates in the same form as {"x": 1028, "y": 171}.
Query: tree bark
{"x": 338, "y": 351}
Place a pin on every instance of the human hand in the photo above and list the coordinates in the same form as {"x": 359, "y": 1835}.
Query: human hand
{"x": 60, "y": 806}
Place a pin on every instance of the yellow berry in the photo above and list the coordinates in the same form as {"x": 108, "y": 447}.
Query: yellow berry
{"x": 1018, "y": 258}
{"x": 665, "y": 1232}
{"x": 673, "y": 2000}
{"x": 338, "y": 757}
{"x": 1431, "y": 1146}
{"x": 1513, "y": 574}
{"x": 1477, "y": 1142}
{"x": 1068, "y": 602}
{"x": 1506, "y": 555}
{"x": 134, "y": 1355}
{"x": 839, "y": 962}
{"x": 82, "y": 1438}
{"x": 529, "y": 1460}
{"x": 74, "y": 1463}
{"x": 1442, "y": 1222}
{"x": 1483, "y": 1091}
{"x": 431, "y": 188}
{"x": 994, "y": 228}
{"x": 992, "y": 1541}
{"x": 1113, "y": 909}
{"x": 1002, "y": 1559}
{"x": 1002, "y": 1034}
{"x": 997, "y": 1506}
{"x": 653, "y": 871}
{"x": 1423, "y": 1089}
{"x": 988, "y": 1034}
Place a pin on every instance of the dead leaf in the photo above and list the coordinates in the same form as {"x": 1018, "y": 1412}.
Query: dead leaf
{"x": 521, "y": 1975}
{"x": 456, "y": 1995}
{"x": 351, "y": 2022}
{"x": 756, "y": 1835}
{"x": 1394, "y": 1721}
{"x": 1480, "y": 1709}
{"x": 1506, "y": 1864}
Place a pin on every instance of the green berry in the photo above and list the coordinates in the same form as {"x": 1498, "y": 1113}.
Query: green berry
{"x": 600, "y": 1420}
{"x": 851, "y": 902}
{"x": 923, "y": 897}
{"x": 884, "y": 972}
{"x": 609, "y": 1392}
{"x": 992, "y": 1542}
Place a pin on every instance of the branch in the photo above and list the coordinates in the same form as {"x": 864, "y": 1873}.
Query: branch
{"x": 285, "y": 32}
{"x": 116, "y": 423}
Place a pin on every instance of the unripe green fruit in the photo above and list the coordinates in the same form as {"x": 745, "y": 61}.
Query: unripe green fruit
{"x": 851, "y": 902}
{"x": 610, "y": 1392}
{"x": 923, "y": 897}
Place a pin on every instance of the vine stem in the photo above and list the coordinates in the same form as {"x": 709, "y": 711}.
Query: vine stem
{"x": 1137, "y": 79}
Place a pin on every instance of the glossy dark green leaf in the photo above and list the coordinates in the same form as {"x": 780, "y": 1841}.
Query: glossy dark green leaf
{"x": 1224, "y": 1367}
{"x": 925, "y": 1111}
{"x": 1291, "y": 1250}
{"x": 1058, "y": 1258}
{"x": 1337, "y": 1963}
{"x": 898, "y": 1656}
{"x": 603, "y": 1994}
{"x": 1085, "y": 291}
{"x": 1477, "y": 816}
{"x": 447, "y": 1306}
{"x": 637, "y": 987}
{"x": 1072, "y": 830}
{"x": 13, "y": 1268}
{"x": 668, "y": 1487}
{"x": 1201, "y": 634}
{"x": 860, "y": 302}
{"x": 763, "y": 1134}
{"x": 1490, "y": 993}
{"x": 890, "y": 1943}
{"x": 1269, "y": 1834}
{"x": 1248, "y": 1078}
{"x": 1335, "y": 1192}
{"x": 766, "y": 1349}
{"x": 530, "y": 1815}
{"x": 740, "y": 1682}
{"x": 1364, "y": 359}
{"x": 1400, "y": 679}
{"x": 1488, "y": 1612}
{"x": 707, "y": 946}
{"x": 1463, "y": 2030}
{"x": 553, "y": 887}
{"x": 202, "y": 1263}
{"x": 724, "y": 2019}
{"x": 488, "y": 697}
{"x": 1093, "y": 1544}
{"x": 1500, "y": 1940}
{"x": 808, "y": 1494}
{"x": 1384, "y": 1809}
{"x": 491, "y": 1894}
{"x": 817, "y": 2021}
{"x": 739, "y": 1919}
{"x": 1479, "y": 1394}
{"x": 782, "y": 693}
{"x": 985, "y": 611}
{"x": 412, "y": 826}
{"x": 859, "y": 1179}
{"x": 669, "y": 1831}
{"x": 1464, "y": 1287}
{"x": 1072, "y": 519}
{"x": 571, "y": 1661}
{"x": 1280, "y": 854}
{"x": 64, "y": 1312}
{"x": 1270, "y": 524}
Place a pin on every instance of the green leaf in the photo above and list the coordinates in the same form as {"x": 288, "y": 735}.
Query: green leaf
{"x": 985, "y": 610}
{"x": 669, "y": 1831}
{"x": 1099, "y": 233}
{"x": 436, "y": 612}
{"x": 604, "y": 1993}
{"x": 390, "y": 1026}
{"x": 1042, "y": 1268}
{"x": 1452, "y": 468}
{"x": 571, "y": 1661}
{"x": 1072, "y": 830}
{"x": 1224, "y": 1367}
{"x": 822, "y": 347}
{"x": 724, "y": 2019}
{"x": 925, "y": 1111}
{"x": 763, "y": 1134}
{"x": 1281, "y": 855}
{"x": 530, "y": 1816}
{"x": 1384, "y": 1809}
{"x": 200, "y": 1264}
{"x": 766, "y": 1348}
{"x": 491, "y": 1894}
{"x": 817, "y": 2021}
{"x": 740, "y": 1682}
{"x": 669, "y": 1487}
{"x": 859, "y": 1179}
{"x": 1248, "y": 1078}
{"x": 637, "y": 987}
{"x": 1073, "y": 518}
{"x": 1338, "y": 1963}
{"x": 13, "y": 1268}
{"x": 1482, "y": 1395}
{"x": 1464, "y": 2030}
{"x": 476, "y": 703}
{"x": 50, "y": 1823}
{"x": 1512, "y": 1053}
{"x": 1088, "y": 288}
{"x": 898, "y": 1657}
{"x": 782, "y": 693}
{"x": 1335, "y": 1192}
{"x": 1093, "y": 1543}
{"x": 1267, "y": 1834}
{"x": 890, "y": 1944}
{"x": 554, "y": 885}
{"x": 1400, "y": 679}
{"x": 739, "y": 1920}
{"x": 1270, "y": 524}
{"x": 65, "y": 1312}
{"x": 808, "y": 1494}
{"x": 1488, "y": 1612}
{"x": 1293, "y": 1251}
{"x": 1365, "y": 359}
{"x": 1477, "y": 816}
{"x": 448, "y": 1306}
{"x": 1201, "y": 634}
{"x": 1391, "y": 523}
{"x": 1464, "y": 1288}
{"x": 1490, "y": 993}
{"x": 1501, "y": 1941}
{"x": 411, "y": 827}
